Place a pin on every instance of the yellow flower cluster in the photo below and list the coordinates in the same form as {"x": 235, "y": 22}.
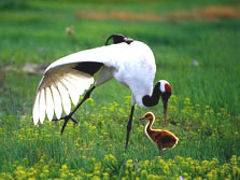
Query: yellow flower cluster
{"x": 110, "y": 168}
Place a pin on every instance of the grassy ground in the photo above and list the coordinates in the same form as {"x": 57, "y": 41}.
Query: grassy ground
{"x": 203, "y": 111}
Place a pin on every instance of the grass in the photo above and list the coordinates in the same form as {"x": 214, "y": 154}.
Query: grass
{"x": 203, "y": 111}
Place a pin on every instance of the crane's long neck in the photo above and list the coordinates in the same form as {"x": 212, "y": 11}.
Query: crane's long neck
{"x": 148, "y": 126}
{"x": 154, "y": 98}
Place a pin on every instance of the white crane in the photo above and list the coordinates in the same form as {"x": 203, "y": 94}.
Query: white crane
{"x": 130, "y": 62}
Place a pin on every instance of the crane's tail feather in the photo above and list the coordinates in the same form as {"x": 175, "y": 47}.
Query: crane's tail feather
{"x": 56, "y": 90}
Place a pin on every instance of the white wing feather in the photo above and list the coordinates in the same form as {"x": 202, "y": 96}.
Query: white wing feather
{"x": 36, "y": 113}
{"x": 49, "y": 103}
{"x": 71, "y": 89}
{"x": 42, "y": 105}
{"x": 57, "y": 101}
{"x": 65, "y": 97}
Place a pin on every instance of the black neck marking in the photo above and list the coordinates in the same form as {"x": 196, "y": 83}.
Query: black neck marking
{"x": 118, "y": 38}
{"x": 150, "y": 101}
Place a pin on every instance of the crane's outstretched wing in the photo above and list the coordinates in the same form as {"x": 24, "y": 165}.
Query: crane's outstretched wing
{"x": 67, "y": 78}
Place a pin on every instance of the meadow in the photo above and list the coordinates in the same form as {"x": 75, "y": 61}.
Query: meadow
{"x": 196, "y": 45}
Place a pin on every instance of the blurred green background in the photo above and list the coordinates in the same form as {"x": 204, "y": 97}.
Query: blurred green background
{"x": 196, "y": 45}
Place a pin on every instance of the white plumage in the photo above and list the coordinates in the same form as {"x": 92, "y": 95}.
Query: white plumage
{"x": 128, "y": 63}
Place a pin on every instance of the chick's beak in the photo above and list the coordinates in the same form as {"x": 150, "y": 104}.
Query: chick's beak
{"x": 141, "y": 120}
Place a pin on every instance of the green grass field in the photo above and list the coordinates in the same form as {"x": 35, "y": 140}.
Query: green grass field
{"x": 203, "y": 110}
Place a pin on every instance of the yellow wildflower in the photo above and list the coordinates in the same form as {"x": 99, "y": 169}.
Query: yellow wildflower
{"x": 129, "y": 163}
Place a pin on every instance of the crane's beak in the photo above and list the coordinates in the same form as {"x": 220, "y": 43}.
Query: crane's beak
{"x": 165, "y": 105}
{"x": 165, "y": 98}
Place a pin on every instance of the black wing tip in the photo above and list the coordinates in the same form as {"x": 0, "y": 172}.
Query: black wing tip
{"x": 88, "y": 67}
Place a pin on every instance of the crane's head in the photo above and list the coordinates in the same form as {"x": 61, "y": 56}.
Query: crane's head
{"x": 161, "y": 90}
{"x": 119, "y": 38}
{"x": 166, "y": 91}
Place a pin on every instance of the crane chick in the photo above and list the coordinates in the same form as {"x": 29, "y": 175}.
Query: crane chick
{"x": 162, "y": 138}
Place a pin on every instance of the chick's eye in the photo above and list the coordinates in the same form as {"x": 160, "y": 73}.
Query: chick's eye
{"x": 148, "y": 116}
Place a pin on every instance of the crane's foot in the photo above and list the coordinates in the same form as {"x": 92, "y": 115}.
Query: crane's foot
{"x": 69, "y": 117}
{"x": 66, "y": 120}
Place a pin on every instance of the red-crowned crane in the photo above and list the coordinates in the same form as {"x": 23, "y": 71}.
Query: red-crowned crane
{"x": 162, "y": 138}
{"x": 130, "y": 62}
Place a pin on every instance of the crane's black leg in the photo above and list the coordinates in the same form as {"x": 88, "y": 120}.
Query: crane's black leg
{"x": 129, "y": 126}
{"x": 67, "y": 117}
{"x": 65, "y": 123}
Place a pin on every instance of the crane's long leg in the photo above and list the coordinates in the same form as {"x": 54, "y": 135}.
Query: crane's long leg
{"x": 129, "y": 126}
{"x": 69, "y": 116}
